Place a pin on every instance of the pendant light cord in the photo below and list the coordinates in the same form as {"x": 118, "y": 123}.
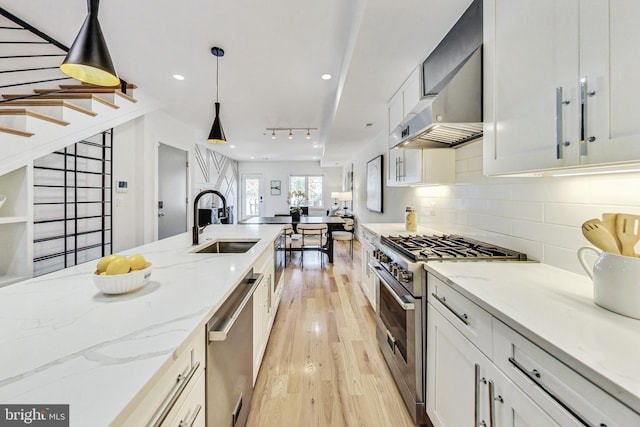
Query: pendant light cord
{"x": 217, "y": 74}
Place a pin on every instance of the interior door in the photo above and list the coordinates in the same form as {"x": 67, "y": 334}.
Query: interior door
{"x": 172, "y": 191}
{"x": 252, "y": 195}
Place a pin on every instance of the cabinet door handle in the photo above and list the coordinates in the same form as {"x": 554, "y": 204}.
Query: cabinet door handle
{"x": 190, "y": 423}
{"x": 534, "y": 376}
{"x": 476, "y": 407}
{"x": 442, "y": 300}
{"x": 181, "y": 382}
{"x": 492, "y": 404}
{"x": 584, "y": 96}
{"x": 560, "y": 103}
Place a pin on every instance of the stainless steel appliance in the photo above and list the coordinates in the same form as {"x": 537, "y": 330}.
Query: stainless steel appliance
{"x": 279, "y": 254}
{"x": 229, "y": 370}
{"x": 450, "y": 112}
{"x": 401, "y": 303}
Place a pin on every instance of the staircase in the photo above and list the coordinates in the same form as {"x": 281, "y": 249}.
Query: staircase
{"x": 37, "y": 118}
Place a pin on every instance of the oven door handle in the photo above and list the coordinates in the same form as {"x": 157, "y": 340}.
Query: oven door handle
{"x": 407, "y": 305}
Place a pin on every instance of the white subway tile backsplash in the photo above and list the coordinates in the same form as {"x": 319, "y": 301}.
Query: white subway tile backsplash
{"x": 490, "y": 223}
{"x": 572, "y": 214}
{"x": 616, "y": 190}
{"x": 490, "y": 191}
{"x": 539, "y": 216}
{"x": 566, "y": 259}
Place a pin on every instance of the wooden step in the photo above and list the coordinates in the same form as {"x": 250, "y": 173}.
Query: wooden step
{"x": 14, "y": 131}
{"x": 66, "y": 96}
{"x": 44, "y": 103}
{"x": 95, "y": 90}
{"x": 30, "y": 113}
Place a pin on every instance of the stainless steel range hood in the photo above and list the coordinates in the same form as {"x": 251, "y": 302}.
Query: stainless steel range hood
{"x": 451, "y": 112}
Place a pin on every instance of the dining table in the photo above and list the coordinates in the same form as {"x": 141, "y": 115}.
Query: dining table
{"x": 332, "y": 222}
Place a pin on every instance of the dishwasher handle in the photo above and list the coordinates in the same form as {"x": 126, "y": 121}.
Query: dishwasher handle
{"x": 220, "y": 332}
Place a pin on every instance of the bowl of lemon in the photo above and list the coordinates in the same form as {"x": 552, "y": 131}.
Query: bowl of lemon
{"x": 118, "y": 274}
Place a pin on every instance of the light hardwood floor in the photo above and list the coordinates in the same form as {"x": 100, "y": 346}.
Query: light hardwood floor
{"x": 322, "y": 366}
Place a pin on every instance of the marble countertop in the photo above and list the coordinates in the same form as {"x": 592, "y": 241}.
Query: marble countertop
{"x": 64, "y": 342}
{"x": 553, "y": 308}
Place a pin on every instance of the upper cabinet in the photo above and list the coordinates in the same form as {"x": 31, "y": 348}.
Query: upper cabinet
{"x": 405, "y": 101}
{"x": 421, "y": 167}
{"x": 559, "y": 88}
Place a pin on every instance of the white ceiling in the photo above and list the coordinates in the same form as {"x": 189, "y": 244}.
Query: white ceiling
{"x": 275, "y": 53}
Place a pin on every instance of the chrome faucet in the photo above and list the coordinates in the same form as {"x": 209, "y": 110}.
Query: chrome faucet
{"x": 196, "y": 229}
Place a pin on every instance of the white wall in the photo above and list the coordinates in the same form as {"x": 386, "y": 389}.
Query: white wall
{"x": 539, "y": 216}
{"x": 135, "y": 160}
{"x": 394, "y": 199}
{"x": 281, "y": 171}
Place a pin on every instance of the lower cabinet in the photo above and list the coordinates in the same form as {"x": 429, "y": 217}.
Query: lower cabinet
{"x": 464, "y": 388}
{"x": 368, "y": 281}
{"x": 190, "y": 408}
{"x": 508, "y": 381}
{"x": 263, "y": 310}
{"x": 175, "y": 393}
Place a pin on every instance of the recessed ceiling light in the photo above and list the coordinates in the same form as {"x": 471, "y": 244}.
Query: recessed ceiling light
{"x": 326, "y": 76}
{"x": 252, "y": 157}
{"x": 178, "y": 77}
{"x": 232, "y": 146}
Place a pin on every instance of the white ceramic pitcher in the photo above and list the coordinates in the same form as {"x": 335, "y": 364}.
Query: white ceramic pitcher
{"x": 616, "y": 281}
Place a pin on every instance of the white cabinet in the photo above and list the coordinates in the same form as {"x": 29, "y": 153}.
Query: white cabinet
{"x": 368, "y": 277}
{"x": 175, "y": 392}
{"x": 16, "y": 231}
{"x": 464, "y": 388}
{"x": 482, "y": 372}
{"x": 421, "y": 167}
{"x": 538, "y": 57}
{"x": 405, "y": 101}
{"x": 263, "y": 309}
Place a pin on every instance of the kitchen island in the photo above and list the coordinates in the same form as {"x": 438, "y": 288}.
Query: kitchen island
{"x": 64, "y": 342}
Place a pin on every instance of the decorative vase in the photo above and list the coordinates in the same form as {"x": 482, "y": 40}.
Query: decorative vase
{"x": 295, "y": 216}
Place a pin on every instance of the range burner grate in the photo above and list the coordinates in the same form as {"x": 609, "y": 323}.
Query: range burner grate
{"x": 448, "y": 247}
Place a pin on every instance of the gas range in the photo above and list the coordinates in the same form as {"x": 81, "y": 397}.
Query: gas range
{"x": 447, "y": 248}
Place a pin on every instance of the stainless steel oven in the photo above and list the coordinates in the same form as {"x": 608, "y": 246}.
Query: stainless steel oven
{"x": 401, "y": 303}
{"x": 401, "y": 311}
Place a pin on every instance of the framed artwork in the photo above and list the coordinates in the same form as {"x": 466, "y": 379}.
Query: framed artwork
{"x": 276, "y": 188}
{"x": 374, "y": 184}
{"x": 348, "y": 177}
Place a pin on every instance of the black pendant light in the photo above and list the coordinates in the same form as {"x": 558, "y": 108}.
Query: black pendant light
{"x": 88, "y": 59}
{"x": 216, "y": 136}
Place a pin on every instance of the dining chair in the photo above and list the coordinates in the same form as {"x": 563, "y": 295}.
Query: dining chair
{"x": 292, "y": 239}
{"x": 314, "y": 237}
{"x": 347, "y": 234}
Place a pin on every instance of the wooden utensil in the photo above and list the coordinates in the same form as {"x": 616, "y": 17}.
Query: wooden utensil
{"x": 609, "y": 222}
{"x": 596, "y": 233}
{"x": 628, "y": 231}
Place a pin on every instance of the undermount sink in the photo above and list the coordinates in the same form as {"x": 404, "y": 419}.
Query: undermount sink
{"x": 226, "y": 247}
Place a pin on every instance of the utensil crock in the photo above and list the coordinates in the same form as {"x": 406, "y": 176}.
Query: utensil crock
{"x": 616, "y": 281}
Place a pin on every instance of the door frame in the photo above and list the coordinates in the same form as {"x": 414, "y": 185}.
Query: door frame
{"x": 242, "y": 197}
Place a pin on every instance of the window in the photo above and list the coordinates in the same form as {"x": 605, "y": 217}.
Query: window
{"x": 311, "y": 185}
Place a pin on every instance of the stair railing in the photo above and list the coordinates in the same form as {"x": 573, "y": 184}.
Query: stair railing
{"x": 29, "y": 57}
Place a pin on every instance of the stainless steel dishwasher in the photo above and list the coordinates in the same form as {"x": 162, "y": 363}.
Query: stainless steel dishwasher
{"x": 229, "y": 367}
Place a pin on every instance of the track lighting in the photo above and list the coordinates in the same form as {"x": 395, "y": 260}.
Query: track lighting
{"x": 290, "y": 131}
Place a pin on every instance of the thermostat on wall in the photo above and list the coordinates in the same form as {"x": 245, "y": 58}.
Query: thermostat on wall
{"x": 122, "y": 186}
